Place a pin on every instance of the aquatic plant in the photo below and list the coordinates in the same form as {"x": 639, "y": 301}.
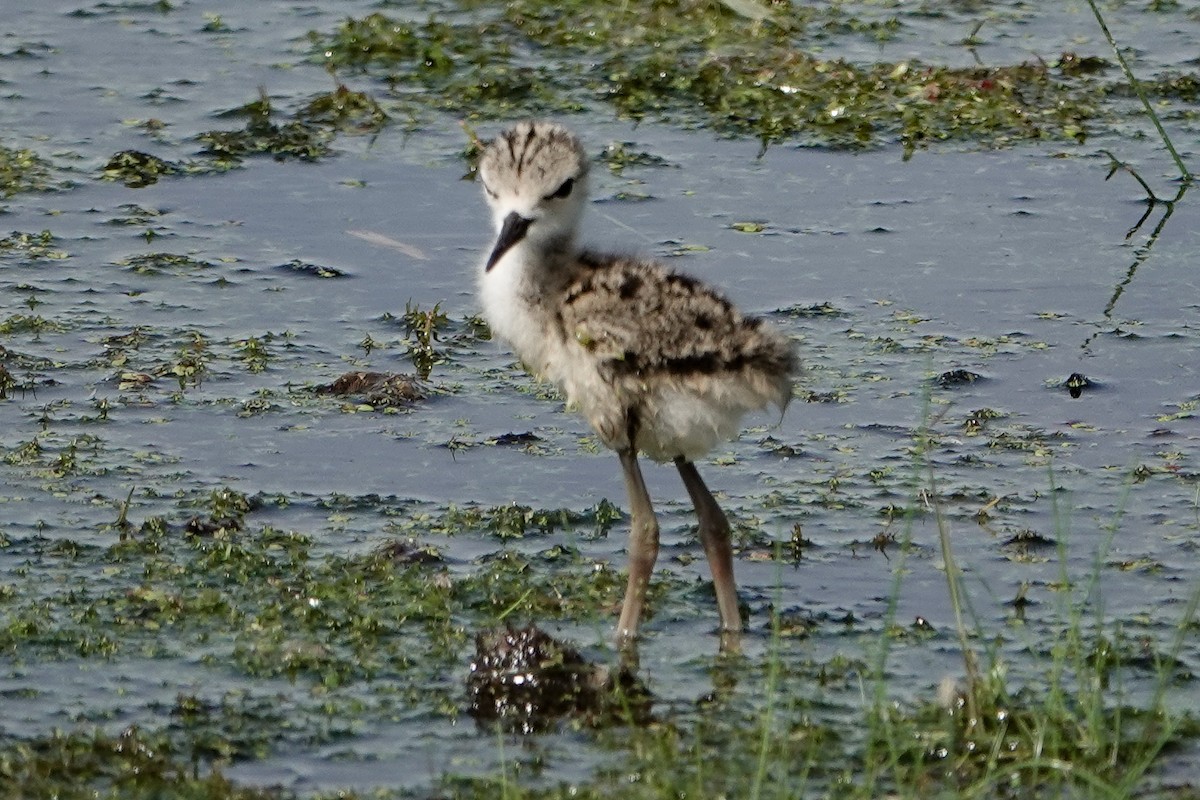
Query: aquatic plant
{"x": 136, "y": 169}
{"x": 33, "y": 246}
{"x": 345, "y": 110}
{"x": 1142, "y": 95}
{"x": 422, "y": 328}
{"x": 705, "y": 66}
{"x": 23, "y": 170}
{"x": 297, "y": 138}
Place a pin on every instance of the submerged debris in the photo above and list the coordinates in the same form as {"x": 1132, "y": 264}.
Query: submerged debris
{"x": 312, "y": 270}
{"x": 1025, "y": 542}
{"x": 957, "y": 377}
{"x": 527, "y": 681}
{"x": 1075, "y": 383}
{"x": 212, "y": 525}
{"x": 409, "y": 551}
{"x": 516, "y": 439}
{"x": 378, "y": 388}
{"x": 979, "y": 418}
{"x": 164, "y": 264}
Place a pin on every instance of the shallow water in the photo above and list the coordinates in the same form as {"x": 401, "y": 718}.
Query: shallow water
{"x": 1001, "y": 263}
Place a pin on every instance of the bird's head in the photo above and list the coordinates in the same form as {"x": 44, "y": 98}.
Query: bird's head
{"x": 534, "y": 175}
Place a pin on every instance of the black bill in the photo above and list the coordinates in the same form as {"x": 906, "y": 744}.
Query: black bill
{"x": 511, "y": 232}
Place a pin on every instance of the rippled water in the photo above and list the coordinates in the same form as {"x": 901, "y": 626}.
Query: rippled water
{"x": 1013, "y": 265}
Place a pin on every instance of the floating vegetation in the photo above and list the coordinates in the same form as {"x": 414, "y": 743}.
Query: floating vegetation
{"x": 345, "y": 110}
{"x": 33, "y": 246}
{"x": 957, "y": 377}
{"x": 422, "y": 327}
{"x": 291, "y": 140}
{"x": 164, "y": 264}
{"x": 816, "y": 310}
{"x": 328, "y": 636}
{"x": 137, "y": 169}
{"x": 23, "y": 171}
{"x": 133, "y": 214}
{"x": 707, "y": 66}
{"x": 378, "y": 40}
{"x": 1026, "y": 543}
{"x": 312, "y": 270}
{"x": 1073, "y": 64}
{"x": 254, "y": 352}
{"x": 298, "y": 139}
{"x": 461, "y": 68}
{"x": 190, "y": 364}
{"x": 30, "y": 323}
{"x": 619, "y": 155}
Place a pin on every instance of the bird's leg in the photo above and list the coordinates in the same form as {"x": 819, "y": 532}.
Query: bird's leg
{"x": 643, "y": 545}
{"x": 714, "y": 535}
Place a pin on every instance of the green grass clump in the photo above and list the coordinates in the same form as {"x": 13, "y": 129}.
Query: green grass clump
{"x": 268, "y": 604}
{"x": 770, "y": 729}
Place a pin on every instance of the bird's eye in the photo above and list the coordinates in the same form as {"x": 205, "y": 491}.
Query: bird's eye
{"x": 562, "y": 191}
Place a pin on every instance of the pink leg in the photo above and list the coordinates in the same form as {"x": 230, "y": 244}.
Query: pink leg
{"x": 643, "y": 546}
{"x": 714, "y": 535}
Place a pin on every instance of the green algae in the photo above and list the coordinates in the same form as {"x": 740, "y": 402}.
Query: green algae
{"x": 29, "y": 323}
{"x": 699, "y": 63}
{"x": 134, "y": 764}
{"x": 292, "y": 139}
{"x": 346, "y": 111}
{"x": 164, "y": 264}
{"x": 300, "y": 614}
{"x": 306, "y": 136}
{"x": 322, "y": 628}
{"x": 23, "y": 170}
{"x": 261, "y": 135}
{"x": 136, "y": 169}
{"x": 32, "y": 246}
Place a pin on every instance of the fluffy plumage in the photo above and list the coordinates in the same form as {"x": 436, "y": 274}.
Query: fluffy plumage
{"x": 618, "y": 334}
{"x": 657, "y": 362}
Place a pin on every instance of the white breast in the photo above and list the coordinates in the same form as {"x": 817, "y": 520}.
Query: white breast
{"x": 511, "y": 313}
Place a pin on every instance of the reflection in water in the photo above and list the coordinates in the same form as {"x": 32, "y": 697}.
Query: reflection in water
{"x": 1143, "y": 252}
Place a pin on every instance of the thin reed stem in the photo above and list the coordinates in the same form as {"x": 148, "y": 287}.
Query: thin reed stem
{"x": 771, "y": 690}
{"x": 1140, "y": 91}
{"x": 957, "y": 600}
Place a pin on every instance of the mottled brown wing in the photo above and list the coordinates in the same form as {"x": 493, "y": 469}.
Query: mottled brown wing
{"x": 636, "y": 317}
